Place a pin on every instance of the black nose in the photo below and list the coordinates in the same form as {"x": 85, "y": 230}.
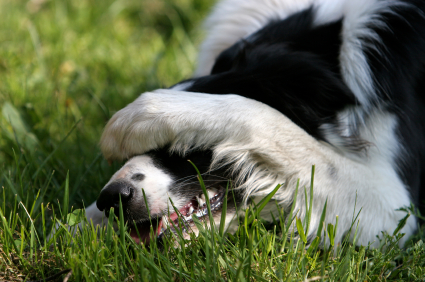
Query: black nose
{"x": 110, "y": 196}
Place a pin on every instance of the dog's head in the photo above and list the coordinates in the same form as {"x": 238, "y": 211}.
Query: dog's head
{"x": 153, "y": 186}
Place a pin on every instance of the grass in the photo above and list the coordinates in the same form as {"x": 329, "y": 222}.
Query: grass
{"x": 65, "y": 68}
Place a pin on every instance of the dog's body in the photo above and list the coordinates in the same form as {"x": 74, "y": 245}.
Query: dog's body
{"x": 338, "y": 84}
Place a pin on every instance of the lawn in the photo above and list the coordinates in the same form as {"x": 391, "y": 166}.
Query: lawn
{"x": 65, "y": 68}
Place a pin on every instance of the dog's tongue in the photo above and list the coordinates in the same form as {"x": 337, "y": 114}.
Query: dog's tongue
{"x": 145, "y": 233}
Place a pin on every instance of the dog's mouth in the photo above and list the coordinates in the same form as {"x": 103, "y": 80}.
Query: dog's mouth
{"x": 181, "y": 220}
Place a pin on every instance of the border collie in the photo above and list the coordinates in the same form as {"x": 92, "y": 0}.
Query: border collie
{"x": 282, "y": 85}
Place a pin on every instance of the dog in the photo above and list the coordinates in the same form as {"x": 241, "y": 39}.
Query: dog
{"x": 282, "y": 85}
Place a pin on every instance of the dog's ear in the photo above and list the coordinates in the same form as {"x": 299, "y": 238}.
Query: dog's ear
{"x": 231, "y": 58}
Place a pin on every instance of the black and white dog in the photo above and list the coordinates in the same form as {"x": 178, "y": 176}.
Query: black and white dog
{"x": 283, "y": 85}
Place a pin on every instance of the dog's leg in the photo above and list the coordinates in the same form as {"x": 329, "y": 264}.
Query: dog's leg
{"x": 266, "y": 148}
{"x": 93, "y": 215}
{"x": 183, "y": 120}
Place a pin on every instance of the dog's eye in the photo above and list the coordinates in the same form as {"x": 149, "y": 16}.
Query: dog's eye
{"x": 138, "y": 177}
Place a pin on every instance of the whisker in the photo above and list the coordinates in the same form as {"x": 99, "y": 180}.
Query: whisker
{"x": 195, "y": 176}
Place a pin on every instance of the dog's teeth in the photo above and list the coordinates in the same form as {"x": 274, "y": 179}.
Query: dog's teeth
{"x": 201, "y": 200}
{"x": 200, "y": 213}
{"x": 191, "y": 210}
{"x": 165, "y": 222}
{"x": 211, "y": 193}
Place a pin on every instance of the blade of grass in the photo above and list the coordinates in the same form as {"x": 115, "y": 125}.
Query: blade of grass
{"x": 66, "y": 198}
{"x": 224, "y": 211}
{"x": 310, "y": 206}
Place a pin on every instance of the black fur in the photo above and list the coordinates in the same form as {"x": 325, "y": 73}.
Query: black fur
{"x": 289, "y": 65}
{"x": 184, "y": 171}
{"x": 293, "y": 66}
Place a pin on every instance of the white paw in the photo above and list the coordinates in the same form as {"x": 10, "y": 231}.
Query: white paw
{"x": 180, "y": 119}
{"x": 139, "y": 127}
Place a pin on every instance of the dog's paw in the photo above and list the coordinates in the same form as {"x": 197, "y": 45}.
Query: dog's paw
{"x": 139, "y": 127}
{"x": 182, "y": 120}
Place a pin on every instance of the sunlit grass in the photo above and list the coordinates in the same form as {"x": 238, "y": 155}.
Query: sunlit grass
{"x": 258, "y": 251}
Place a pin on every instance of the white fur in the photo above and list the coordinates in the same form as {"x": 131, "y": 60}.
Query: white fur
{"x": 182, "y": 86}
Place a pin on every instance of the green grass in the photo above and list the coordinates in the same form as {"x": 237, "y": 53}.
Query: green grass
{"x": 65, "y": 68}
